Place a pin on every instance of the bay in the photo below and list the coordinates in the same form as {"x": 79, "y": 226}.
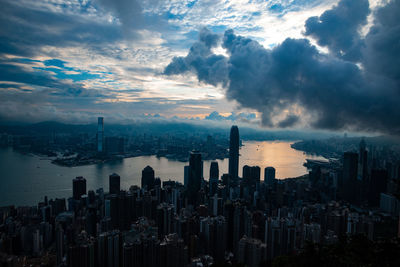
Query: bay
{"x": 26, "y": 179}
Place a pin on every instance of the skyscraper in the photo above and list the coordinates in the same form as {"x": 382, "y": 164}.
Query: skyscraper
{"x": 234, "y": 153}
{"x": 114, "y": 182}
{"x": 378, "y": 185}
{"x": 195, "y": 171}
{"x": 214, "y": 175}
{"x": 78, "y": 187}
{"x": 100, "y": 134}
{"x": 148, "y": 178}
{"x": 350, "y": 164}
{"x": 186, "y": 176}
{"x": 214, "y": 171}
{"x": 269, "y": 175}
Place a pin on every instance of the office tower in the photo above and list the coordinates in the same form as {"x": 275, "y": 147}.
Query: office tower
{"x": 256, "y": 176}
{"x": 186, "y": 176}
{"x": 246, "y": 174}
{"x": 378, "y": 185}
{"x": 78, "y": 187}
{"x": 269, "y": 175}
{"x": 234, "y": 153}
{"x": 214, "y": 171}
{"x": 195, "y": 177}
{"x": 251, "y": 180}
{"x": 148, "y": 178}
{"x": 214, "y": 174}
{"x": 350, "y": 162}
{"x": 100, "y": 134}
{"x": 114, "y": 182}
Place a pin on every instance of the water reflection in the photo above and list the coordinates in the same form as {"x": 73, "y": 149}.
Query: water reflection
{"x": 26, "y": 179}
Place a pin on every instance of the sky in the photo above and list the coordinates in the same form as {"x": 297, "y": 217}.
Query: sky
{"x": 279, "y": 64}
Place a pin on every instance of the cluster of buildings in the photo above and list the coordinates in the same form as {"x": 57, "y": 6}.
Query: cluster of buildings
{"x": 75, "y": 145}
{"x": 227, "y": 219}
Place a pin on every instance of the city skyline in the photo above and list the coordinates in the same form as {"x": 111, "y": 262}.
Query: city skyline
{"x": 311, "y": 65}
{"x": 187, "y": 133}
{"x": 349, "y": 201}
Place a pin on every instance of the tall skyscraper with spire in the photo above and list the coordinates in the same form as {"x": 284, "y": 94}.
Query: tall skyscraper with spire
{"x": 234, "y": 153}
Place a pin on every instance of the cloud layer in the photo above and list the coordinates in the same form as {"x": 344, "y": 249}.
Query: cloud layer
{"x": 75, "y": 60}
{"x": 355, "y": 86}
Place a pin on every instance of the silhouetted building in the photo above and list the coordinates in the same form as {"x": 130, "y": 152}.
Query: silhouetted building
{"x": 378, "y": 184}
{"x": 363, "y": 162}
{"x": 350, "y": 162}
{"x": 214, "y": 175}
{"x": 246, "y": 174}
{"x": 269, "y": 175}
{"x": 195, "y": 176}
{"x": 251, "y": 175}
{"x": 100, "y": 134}
{"x": 234, "y": 153}
{"x": 186, "y": 176}
{"x": 148, "y": 178}
{"x": 226, "y": 179}
{"x": 78, "y": 187}
{"x": 114, "y": 182}
{"x": 214, "y": 170}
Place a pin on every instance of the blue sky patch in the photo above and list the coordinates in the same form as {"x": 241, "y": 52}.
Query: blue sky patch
{"x": 61, "y": 72}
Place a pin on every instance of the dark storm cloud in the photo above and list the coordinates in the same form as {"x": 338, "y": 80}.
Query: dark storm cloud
{"x": 208, "y": 38}
{"x": 210, "y": 68}
{"x": 334, "y": 93}
{"x": 382, "y": 50}
{"x": 289, "y": 121}
{"x": 338, "y": 28}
